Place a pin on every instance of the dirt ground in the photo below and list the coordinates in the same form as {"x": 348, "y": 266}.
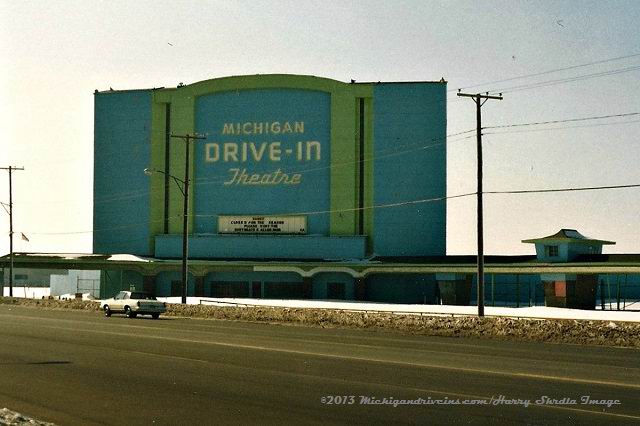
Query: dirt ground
{"x": 607, "y": 333}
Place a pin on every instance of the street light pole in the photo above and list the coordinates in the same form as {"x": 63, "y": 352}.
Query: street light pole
{"x": 185, "y": 221}
{"x": 185, "y": 225}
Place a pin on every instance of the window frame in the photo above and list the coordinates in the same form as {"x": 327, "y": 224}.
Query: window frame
{"x": 551, "y": 251}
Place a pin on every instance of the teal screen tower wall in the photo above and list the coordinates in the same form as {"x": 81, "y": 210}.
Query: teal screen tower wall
{"x": 122, "y": 127}
{"x": 410, "y": 165}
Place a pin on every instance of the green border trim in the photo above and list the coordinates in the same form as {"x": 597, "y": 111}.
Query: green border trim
{"x": 344, "y": 153}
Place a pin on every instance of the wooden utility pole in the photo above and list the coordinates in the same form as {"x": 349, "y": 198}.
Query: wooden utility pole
{"x": 480, "y": 100}
{"x": 11, "y": 169}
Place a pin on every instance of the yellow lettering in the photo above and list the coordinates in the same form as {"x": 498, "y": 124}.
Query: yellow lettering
{"x": 211, "y": 152}
{"x": 275, "y": 151}
{"x": 241, "y": 177}
{"x": 299, "y": 151}
{"x": 244, "y": 151}
{"x": 235, "y": 173}
{"x": 227, "y": 129}
{"x": 230, "y": 152}
{"x": 311, "y": 145}
{"x": 259, "y": 128}
{"x": 257, "y": 155}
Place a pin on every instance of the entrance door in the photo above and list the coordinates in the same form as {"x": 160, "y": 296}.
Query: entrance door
{"x": 335, "y": 291}
{"x": 176, "y": 288}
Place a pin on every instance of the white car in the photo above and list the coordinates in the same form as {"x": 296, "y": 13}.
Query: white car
{"x": 133, "y": 303}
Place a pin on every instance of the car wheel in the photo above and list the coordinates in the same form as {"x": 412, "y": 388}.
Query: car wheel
{"x": 129, "y": 313}
{"x": 107, "y": 311}
{"x": 155, "y": 316}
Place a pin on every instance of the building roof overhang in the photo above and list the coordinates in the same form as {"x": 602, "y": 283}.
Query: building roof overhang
{"x": 567, "y": 236}
{"x": 588, "y": 264}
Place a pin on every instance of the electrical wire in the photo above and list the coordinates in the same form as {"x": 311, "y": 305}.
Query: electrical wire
{"x": 114, "y": 228}
{"x": 584, "y": 188}
{"x": 552, "y": 71}
{"x": 563, "y": 80}
{"x": 137, "y": 194}
{"x": 549, "y": 129}
{"x": 378, "y": 206}
{"x": 356, "y": 209}
{"x": 223, "y": 178}
{"x": 569, "y": 120}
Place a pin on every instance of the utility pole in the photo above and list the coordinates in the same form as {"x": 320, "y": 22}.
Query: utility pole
{"x": 11, "y": 169}
{"x": 480, "y": 100}
{"x": 185, "y": 222}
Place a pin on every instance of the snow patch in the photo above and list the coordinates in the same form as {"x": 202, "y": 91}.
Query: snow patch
{"x": 127, "y": 258}
{"x": 541, "y": 312}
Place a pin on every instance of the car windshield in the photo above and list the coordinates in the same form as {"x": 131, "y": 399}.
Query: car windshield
{"x": 143, "y": 296}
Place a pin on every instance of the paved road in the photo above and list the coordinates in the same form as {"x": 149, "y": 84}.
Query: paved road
{"x": 81, "y": 368}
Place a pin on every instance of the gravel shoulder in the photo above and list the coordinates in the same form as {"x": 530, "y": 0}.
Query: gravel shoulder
{"x": 605, "y": 333}
{"x": 13, "y": 418}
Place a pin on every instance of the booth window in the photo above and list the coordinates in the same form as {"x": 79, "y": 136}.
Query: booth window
{"x": 551, "y": 251}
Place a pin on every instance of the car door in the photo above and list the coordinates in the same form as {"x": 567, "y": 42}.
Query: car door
{"x": 118, "y": 302}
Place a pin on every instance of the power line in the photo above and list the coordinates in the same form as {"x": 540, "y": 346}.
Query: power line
{"x": 222, "y": 178}
{"x": 435, "y": 199}
{"x": 549, "y": 129}
{"x": 356, "y": 209}
{"x": 569, "y": 120}
{"x": 564, "y": 80}
{"x": 399, "y": 150}
{"x": 584, "y": 188}
{"x": 113, "y": 228}
{"x": 378, "y": 206}
{"x": 216, "y": 179}
{"x": 552, "y": 71}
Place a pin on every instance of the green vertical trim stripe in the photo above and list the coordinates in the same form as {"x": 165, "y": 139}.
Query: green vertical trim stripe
{"x": 156, "y": 180}
{"x": 369, "y": 174}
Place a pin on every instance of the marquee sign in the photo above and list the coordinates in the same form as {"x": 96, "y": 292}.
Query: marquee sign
{"x": 262, "y": 224}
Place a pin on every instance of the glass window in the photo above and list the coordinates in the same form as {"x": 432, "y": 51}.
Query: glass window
{"x": 551, "y": 251}
{"x": 142, "y": 296}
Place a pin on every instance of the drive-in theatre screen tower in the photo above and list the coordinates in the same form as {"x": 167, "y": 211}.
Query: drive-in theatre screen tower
{"x": 296, "y": 177}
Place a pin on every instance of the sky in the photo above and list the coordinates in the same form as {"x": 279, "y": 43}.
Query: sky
{"x": 552, "y": 60}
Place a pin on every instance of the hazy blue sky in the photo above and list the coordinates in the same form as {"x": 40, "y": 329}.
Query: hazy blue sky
{"x": 54, "y": 54}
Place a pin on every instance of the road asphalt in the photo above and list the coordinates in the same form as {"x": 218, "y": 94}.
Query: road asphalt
{"x": 77, "y": 367}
